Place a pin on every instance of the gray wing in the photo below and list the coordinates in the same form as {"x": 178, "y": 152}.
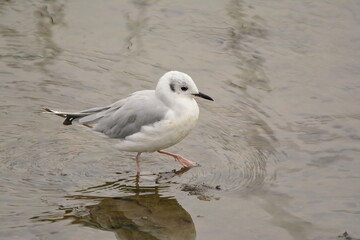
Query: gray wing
{"x": 127, "y": 116}
{"x": 88, "y": 116}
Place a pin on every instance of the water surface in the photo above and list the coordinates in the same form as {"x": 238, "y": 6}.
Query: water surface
{"x": 279, "y": 148}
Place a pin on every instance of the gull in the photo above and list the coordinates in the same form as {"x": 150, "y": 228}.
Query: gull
{"x": 147, "y": 120}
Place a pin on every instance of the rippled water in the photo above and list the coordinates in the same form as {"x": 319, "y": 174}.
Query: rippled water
{"x": 279, "y": 148}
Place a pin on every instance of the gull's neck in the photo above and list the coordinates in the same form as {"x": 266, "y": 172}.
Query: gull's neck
{"x": 179, "y": 104}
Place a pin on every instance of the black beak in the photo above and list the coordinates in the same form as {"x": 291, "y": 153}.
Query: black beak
{"x": 203, "y": 96}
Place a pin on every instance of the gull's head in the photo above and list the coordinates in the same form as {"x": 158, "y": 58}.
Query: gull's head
{"x": 176, "y": 84}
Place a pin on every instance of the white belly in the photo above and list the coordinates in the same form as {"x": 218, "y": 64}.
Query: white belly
{"x": 162, "y": 134}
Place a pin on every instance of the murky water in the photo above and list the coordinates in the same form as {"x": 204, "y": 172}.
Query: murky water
{"x": 279, "y": 148}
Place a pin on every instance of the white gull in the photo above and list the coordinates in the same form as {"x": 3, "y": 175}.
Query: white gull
{"x": 148, "y": 120}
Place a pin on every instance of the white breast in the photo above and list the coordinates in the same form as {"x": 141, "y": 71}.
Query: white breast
{"x": 176, "y": 125}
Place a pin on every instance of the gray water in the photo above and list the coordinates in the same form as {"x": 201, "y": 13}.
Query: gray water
{"x": 278, "y": 148}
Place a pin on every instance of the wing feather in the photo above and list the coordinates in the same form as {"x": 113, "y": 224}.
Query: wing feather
{"x": 140, "y": 109}
{"x": 122, "y": 118}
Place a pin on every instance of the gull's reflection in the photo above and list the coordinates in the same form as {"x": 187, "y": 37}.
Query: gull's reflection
{"x": 144, "y": 213}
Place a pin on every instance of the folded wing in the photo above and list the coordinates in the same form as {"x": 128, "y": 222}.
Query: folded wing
{"x": 122, "y": 118}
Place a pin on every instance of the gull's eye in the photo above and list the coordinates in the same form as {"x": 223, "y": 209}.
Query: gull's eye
{"x": 184, "y": 88}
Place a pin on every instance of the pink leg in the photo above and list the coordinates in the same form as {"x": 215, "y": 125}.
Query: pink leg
{"x": 138, "y": 163}
{"x": 183, "y": 161}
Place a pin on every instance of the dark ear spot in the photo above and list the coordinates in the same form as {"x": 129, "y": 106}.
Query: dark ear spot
{"x": 172, "y": 87}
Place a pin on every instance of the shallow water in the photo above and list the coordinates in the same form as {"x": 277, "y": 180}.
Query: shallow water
{"x": 279, "y": 148}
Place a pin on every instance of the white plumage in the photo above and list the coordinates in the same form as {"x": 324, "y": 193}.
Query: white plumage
{"x": 148, "y": 120}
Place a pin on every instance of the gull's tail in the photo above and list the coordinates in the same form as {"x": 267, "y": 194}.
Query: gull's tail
{"x": 86, "y": 117}
{"x": 69, "y": 117}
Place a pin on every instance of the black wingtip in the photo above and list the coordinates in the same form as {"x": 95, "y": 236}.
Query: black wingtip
{"x": 68, "y": 120}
